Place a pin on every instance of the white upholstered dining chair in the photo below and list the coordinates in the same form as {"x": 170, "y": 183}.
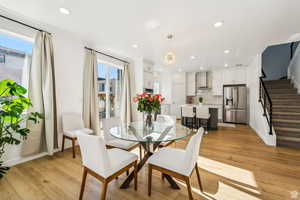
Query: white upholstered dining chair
{"x": 177, "y": 162}
{"x": 112, "y": 142}
{"x": 168, "y": 119}
{"x": 72, "y": 126}
{"x": 104, "y": 164}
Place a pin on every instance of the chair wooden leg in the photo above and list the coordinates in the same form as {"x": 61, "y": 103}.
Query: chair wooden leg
{"x": 140, "y": 147}
{"x": 189, "y": 189}
{"x": 83, "y": 183}
{"x": 162, "y": 176}
{"x": 198, "y": 177}
{"x": 127, "y": 172}
{"x": 73, "y": 147}
{"x": 63, "y": 143}
{"x": 104, "y": 190}
{"x": 149, "y": 179}
{"x": 135, "y": 175}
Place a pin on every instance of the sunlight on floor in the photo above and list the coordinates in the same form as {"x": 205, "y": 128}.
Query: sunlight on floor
{"x": 227, "y": 171}
{"x": 225, "y": 192}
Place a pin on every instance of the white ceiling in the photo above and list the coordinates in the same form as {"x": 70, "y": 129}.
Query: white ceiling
{"x": 249, "y": 25}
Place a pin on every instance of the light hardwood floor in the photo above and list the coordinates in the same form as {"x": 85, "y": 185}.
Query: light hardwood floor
{"x": 234, "y": 164}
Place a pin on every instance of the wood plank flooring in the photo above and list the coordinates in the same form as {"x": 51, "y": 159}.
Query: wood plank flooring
{"x": 234, "y": 164}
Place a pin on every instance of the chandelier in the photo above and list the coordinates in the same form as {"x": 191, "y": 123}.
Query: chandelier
{"x": 170, "y": 58}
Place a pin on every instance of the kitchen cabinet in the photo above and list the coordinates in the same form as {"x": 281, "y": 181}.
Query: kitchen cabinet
{"x": 148, "y": 80}
{"x": 191, "y": 83}
{"x": 178, "y": 93}
{"x": 234, "y": 76}
{"x": 217, "y": 82}
{"x": 227, "y": 77}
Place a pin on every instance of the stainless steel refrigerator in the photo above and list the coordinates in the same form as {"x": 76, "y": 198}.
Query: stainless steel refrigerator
{"x": 235, "y": 104}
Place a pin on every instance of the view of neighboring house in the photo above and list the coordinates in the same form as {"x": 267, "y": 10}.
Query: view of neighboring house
{"x": 13, "y": 64}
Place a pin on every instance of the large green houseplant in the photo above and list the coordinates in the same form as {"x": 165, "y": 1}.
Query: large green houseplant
{"x": 13, "y": 104}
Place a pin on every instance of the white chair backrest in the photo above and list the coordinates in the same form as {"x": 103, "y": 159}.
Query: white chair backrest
{"x": 192, "y": 150}
{"x": 202, "y": 112}
{"x": 94, "y": 153}
{"x": 107, "y": 125}
{"x": 187, "y": 111}
{"x": 170, "y": 119}
{"x": 72, "y": 122}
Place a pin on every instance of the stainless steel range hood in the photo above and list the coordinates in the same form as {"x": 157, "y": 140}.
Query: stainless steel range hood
{"x": 202, "y": 81}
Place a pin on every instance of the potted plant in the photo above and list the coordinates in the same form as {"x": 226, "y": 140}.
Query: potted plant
{"x": 148, "y": 104}
{"x": 200, "y": 100}
{"x": 13, "y": 103}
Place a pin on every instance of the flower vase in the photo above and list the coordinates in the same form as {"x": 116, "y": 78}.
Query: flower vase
{"x": 148, "y": 120}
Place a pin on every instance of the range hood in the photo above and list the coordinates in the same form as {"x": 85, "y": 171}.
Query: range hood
{"x": 202, "y": 81}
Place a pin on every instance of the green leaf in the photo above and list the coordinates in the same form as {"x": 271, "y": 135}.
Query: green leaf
{"x": 5, "y": 87}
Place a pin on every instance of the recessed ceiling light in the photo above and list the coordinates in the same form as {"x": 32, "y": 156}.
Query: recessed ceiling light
{"x": 152, "y": 24}
{"x": 64, "y": 11}
{"x": 135, "y": 46}
{"x": 218, "y": 24}
{"x": 227, "y": 51}
{"x": 226, "y": 65}
{"x": 170, "y": 36}
{"x": 201, "y": 68}
{"x": 192, "y": 57}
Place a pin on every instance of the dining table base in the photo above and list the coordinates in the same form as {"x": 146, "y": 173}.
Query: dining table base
{"x": 143, "y": 161}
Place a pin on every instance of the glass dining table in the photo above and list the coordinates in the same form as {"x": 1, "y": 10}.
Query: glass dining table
{"x": 150, "y": 139}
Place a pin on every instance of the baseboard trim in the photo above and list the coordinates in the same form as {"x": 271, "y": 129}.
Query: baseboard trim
{"x": 20, "y": 160}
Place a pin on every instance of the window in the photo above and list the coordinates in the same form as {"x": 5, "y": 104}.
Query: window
{"x": 15, "y": 57}
{"x": 109, "y": 89}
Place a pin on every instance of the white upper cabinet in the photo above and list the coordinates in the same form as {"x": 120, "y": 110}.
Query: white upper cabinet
{"x": 148, "y": 75}
{"x": 191, "y": 83}
{"x": 227, "y": 77}
{"x": 234, "y": 76}
{"x": 148, "y": 80}
{"x": 217, "y": 82}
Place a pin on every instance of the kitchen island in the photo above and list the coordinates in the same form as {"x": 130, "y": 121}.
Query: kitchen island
{"x": 215, "y": 111}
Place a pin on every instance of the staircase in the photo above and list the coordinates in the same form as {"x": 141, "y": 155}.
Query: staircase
{"x": 285, "y": 112}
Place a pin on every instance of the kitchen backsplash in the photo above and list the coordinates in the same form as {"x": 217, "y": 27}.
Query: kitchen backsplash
{"x": 208, "y": 98}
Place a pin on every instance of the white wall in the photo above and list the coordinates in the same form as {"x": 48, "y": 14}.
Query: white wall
{"x": 294, "y": 69}
{"x": 69, "y": 60}
{"x": 256, "y": 119}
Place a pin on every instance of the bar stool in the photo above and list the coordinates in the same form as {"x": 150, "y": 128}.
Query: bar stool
{"x": 188, "y": 116}
{"x": 202, "y": 115}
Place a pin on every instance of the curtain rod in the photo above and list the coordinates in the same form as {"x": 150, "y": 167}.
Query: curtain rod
{"x": 124, "y": 61}
{"x": 24, "y": 24}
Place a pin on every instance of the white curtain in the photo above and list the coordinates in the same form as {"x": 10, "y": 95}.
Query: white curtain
{"x": 41, "y": 91}
{"x": 90, "y": 98}
{"x": 126, "y": 114}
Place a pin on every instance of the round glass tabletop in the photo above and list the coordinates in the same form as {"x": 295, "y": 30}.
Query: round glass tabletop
{"x": 160, "y": 132}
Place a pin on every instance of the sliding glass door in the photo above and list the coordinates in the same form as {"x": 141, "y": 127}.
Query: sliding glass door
{"x": 109, "y": 89}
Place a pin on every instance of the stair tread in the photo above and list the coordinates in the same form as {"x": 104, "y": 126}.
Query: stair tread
{"x": 294, "y": 139}
{"x": 287, "y": 129}
{"x": 286, "y": 99}
{"x": 286, "y": 106}
{"x": 287, "y": 120}
{"x": 286, "y": 113}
